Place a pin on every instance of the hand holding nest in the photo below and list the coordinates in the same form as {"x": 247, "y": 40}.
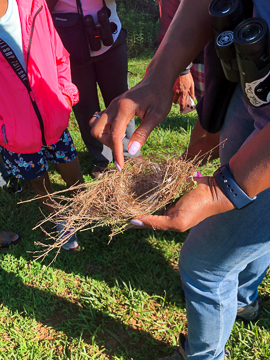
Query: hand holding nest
{"x": 201, "y": 202}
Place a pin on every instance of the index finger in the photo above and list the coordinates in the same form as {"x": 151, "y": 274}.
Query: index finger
{"x": 125, "y": 112}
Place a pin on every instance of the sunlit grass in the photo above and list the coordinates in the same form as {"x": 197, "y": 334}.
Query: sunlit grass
{"x": 121, "y": 300}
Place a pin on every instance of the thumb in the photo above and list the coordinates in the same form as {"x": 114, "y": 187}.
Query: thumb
{"x": 139, "y": 136}
{"x": 155, "y": 222}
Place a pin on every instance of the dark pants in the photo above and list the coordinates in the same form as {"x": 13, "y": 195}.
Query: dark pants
{"x": 110, "y": 72}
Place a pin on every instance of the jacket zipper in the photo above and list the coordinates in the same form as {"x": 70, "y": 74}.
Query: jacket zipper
{"x": 30, "y": 92}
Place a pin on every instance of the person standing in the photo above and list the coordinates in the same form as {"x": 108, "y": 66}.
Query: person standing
{"x": 106, "y": 68}
{"x": 36, "y": 98}
{"x": 227, "y": 252}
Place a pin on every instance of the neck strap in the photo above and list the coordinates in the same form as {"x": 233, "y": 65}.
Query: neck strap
{"x": 79, "y": 7}
{"x": 13, "y": 61}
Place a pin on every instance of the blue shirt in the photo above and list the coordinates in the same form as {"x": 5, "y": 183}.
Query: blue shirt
{"x": 262, "y": 10}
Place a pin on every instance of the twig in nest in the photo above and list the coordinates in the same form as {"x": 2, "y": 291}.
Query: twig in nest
{"x": 143, "y": 187}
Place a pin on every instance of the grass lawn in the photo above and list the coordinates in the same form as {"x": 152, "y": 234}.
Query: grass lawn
{"x": 121, "y": 300}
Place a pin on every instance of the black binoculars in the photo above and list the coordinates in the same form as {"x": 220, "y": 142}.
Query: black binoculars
{"x": 101, "y": 31}
{"x": 242, "y": 47}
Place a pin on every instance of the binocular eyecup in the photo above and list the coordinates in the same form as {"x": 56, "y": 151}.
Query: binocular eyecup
{"x": 225, "y": 15}
{"x": 242, "y": 47}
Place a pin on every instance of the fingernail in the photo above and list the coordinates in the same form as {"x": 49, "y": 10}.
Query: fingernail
{"x": 118, "y": 167}
{"x": 137, "y": 222}
{"x": 134, "y": 147}
{"x": 124, "y": 136}
{"x": 197, "y": 174}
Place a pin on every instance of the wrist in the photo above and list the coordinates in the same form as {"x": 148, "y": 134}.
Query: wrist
{"x": 231, "y": 189}
{"x": 187, "y": 70}
{"x": 163, "y": 76}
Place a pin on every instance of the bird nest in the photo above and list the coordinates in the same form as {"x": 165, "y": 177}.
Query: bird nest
{"x": 146, "y": 186}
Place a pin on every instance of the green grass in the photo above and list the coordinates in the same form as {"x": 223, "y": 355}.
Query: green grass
{"x": 121, "y": 300}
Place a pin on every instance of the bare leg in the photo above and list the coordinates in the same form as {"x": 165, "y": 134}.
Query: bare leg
{"x": 202, "y": 142}
{"x": 71, "y": 173}
{"x": 42, "y": 187}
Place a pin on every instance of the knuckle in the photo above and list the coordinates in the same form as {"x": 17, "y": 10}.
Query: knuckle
{"x": 91, "y": 123}
{"x": 94, "y": 132}
{"x": 141, "y": 135}
{"x": 126, "y": 104}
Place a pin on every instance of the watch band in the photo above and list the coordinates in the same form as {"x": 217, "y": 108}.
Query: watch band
{"x": 231, "y": 189}
{"x": 187, "y": 70}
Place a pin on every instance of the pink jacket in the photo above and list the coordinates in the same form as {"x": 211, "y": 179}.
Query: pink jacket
{"x": 47, "y": 62}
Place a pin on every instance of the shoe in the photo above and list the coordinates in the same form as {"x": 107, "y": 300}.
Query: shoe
{"x": 7, "y": 236}
{"x": 176, "y": 356}
{"x": 98, "y": 171}
{"x": 180, "y": 353}
{"x": 250, "y": 312}
{"x": 182, "y": 340}
{"x": 72, "y": 243}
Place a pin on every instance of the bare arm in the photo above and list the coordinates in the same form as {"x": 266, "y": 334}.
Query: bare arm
{"x": 250, "y": 166}
{"x": 187, "y": 35}
{"x": 151, "y": 99}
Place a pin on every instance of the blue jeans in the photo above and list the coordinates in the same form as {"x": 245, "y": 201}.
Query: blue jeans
{"x": 225, "y": 257}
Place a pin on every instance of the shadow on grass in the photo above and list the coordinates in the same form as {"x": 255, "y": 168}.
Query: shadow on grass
{"x": 79, "y": 322}
{"x": 128, "y": 259}
{"x": 133, "y": 258}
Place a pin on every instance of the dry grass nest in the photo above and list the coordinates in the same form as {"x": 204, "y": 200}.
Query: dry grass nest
{"x": 145, "y": 186}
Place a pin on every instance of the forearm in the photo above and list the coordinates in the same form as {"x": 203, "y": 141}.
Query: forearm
{"x": 250, "y": 166}
{"x": 182, "y": 42}
{"x": 51, "y": 4}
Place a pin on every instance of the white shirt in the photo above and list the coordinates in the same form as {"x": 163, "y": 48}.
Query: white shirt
{"x": 91, "y": 7}
{"x": 10, "y": 30}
